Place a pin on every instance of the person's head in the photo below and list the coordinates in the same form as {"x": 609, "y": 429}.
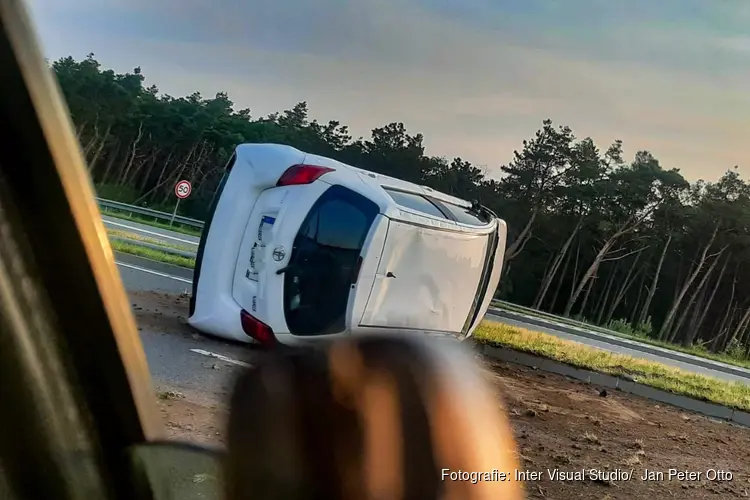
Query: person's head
{"x": 370, "y": 418}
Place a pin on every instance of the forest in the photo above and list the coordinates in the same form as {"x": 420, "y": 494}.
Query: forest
{"x": 592, "y": 235}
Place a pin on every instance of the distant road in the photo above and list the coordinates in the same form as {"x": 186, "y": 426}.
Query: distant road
{"x": 156, "y": 233}
{"x": 143, "y": 275}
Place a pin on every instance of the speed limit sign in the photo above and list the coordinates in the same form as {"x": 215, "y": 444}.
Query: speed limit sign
{"x": 182, "y": 189}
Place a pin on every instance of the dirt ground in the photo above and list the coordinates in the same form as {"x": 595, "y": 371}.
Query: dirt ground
{"x": 188, "y": 418}
{"x": 162, "y": 312}
{"x": 569, "y": 426}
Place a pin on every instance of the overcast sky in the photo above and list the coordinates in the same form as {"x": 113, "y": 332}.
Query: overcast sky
{"x": 476, "y": 77}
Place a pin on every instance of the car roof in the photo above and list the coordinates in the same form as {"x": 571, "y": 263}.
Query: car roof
{"x": 354, "y": 177}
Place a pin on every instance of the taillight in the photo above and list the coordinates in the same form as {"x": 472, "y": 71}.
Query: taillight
{"x": 302, "y": 174}
{"x": 256, "y": 329}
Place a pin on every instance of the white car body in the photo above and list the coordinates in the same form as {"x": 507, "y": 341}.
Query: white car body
{"x": 338, "y": 255}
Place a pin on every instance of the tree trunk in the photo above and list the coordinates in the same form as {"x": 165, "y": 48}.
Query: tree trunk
{"x": 667, "y": 324}
{"x": 550, "y": 276}
{"x": 654, "y": 283}
{"x": 721, "y": 338}
{"x": 160, "y": 181}
{"x": 689, "y": 329}
{"x": 131, "y": 158}
{"x": 702, "y": 316}
{"x": 577, "y": 290}
{"x": 626, "y": 284}
{"x": 690, "y": 336}
{"x": 636, "y": 311}
{"x": 740, "y": 326}
{"x": 175, "y": 176}
{"x": 111, "y": 158}
{"x": 604, "y": 297}
{"x": 560, "y": 282}
{"x": 147, "y": 174}
{"x": 547, "y": 269}
{"x": 628, "y": 226}
{"x": 717, "y": 345}
{"x": 515, "y": 248}
{"x": 688, "y": 340}
{"x": 582, "y": 312}
{"x": 149, "y": 161}
{"x": 97, "y": 153}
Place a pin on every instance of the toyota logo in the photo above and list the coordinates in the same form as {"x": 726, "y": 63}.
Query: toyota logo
{"x": 278, "y": 254}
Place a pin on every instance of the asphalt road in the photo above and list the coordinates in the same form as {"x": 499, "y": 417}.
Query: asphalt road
{"x": 172, "y": 360}
{"x": 623, "y": 350}
{"x": 156, "y": 233}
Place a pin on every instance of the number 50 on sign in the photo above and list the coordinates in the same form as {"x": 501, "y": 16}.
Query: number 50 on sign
{"x": 182, "y": 189}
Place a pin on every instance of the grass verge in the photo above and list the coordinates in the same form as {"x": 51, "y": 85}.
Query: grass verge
{"x": 693, "y": 350}
{"x": 146, "y": 239}
{"x": 731, "y": 394}
{"x": 148, "y": 253}
{"x": 177, "y": 228}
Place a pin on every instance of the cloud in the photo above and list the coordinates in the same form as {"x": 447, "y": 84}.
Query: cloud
{"x": 476, "y": 77}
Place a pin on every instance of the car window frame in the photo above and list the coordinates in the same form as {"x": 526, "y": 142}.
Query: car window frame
{"x": 80, "y": 349}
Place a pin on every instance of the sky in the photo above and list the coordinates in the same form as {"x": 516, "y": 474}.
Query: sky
{"x": 476, "y": 77}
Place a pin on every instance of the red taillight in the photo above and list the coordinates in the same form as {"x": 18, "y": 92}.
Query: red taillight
{"x": 302, "y": 174}
{"x": 256, "y": 329}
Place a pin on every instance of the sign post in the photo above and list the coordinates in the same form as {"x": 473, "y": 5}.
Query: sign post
{"x": 182, "y": 190}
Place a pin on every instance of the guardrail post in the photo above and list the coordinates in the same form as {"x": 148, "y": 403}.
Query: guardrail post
{"x": 174, "y": 214}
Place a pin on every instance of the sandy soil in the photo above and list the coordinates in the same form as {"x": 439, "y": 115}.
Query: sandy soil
{"x": 568, "y": 426}
{"x": 162, "y": 312}
{"x": 188, "y": 417}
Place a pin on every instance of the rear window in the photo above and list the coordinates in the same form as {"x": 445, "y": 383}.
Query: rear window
{"x": 337, "y": 224}
{"x": 416, "y": 202}
{"x": 323, "y": 265}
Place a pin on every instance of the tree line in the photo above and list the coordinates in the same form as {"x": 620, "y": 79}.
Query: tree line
{"x": 627, "y": 244}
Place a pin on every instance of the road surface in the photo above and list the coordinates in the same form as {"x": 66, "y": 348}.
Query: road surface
{"x": 155, "y": 233}
{"x": 144, "y": 275}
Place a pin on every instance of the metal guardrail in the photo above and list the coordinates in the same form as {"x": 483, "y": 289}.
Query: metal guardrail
{"x": 148, "y": 212}
{"x": 553, "y": 318}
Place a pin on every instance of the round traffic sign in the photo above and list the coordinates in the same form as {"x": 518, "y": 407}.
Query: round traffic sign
{"x": 182, "y": 189}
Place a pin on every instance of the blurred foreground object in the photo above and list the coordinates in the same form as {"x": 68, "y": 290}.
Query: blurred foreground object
{"x": 369, "y": 418}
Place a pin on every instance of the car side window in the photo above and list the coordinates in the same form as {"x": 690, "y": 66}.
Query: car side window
{"x": 416, "y": 202}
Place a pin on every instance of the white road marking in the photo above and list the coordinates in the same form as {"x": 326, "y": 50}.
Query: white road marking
{"x": 160, "y": 235}
{"x": 156, "y": 273}
{"x": 221, "y": 357}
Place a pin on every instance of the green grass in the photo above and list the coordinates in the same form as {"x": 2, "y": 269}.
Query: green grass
{"x": 148, "y": 253}
{"x": 698, "y": 351}
{"x": 152, "y": 241}
{"x": 657, "y": 375}
{"x": 177, "y": 227}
